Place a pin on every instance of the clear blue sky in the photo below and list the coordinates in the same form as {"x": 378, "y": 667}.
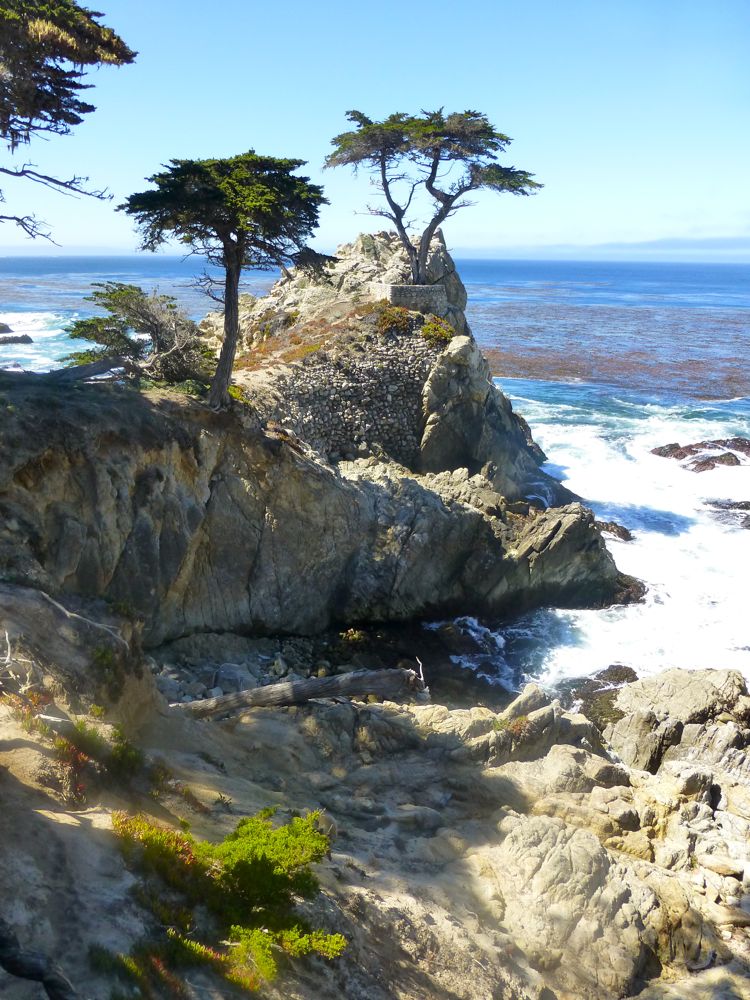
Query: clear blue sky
{"x": 634, "y": 114}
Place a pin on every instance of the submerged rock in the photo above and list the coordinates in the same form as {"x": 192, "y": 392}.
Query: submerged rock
{"x": 735, "y": 512}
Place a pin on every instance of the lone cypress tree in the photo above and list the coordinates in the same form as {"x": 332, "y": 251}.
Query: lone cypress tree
{"x": 446, "y": 155}
{"x": 45, "y": 46}
{"x": 246, "y": 211}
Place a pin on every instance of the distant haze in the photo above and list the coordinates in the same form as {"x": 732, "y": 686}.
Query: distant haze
{"x": 730, "y": 250}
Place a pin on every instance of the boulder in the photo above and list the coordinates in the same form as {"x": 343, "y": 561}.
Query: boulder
{"x": 572, "y": 909}
{"x": 684, "y": 696}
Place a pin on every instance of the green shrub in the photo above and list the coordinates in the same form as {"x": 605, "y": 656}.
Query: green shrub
{"x": 437, "y": 332}
{"x": 393, "y": 319}
{"x": 247, "y": 886}
{"x": 518, "y": 728}
{"x": 238, "y": 394}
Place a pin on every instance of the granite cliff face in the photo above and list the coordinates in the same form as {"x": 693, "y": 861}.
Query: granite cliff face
{"x": 208, "y": 522}
{"x": 350, "y": 376}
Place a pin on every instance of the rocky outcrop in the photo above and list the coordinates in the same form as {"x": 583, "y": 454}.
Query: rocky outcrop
{"x": 706, "y": 455}
{"x": 350, "y": 280}
{"x": 468, "y": 423}
{"x": 199, "y": 521}
{"x": 23, "y": 338}
{"x": 352, "y": 376}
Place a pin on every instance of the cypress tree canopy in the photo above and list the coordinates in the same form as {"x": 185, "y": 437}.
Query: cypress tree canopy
{"x": 45, "y": 47}
{"x": 447, "y": 155}
{"x": 239, "y": 212}
{"x": 247, "y": 206}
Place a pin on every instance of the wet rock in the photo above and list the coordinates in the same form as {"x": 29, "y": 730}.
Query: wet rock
{"x": 735, "y": 512}
{"x": 618, "y": 530}
{"x": 595, "y": 696}
{"x": 20, "y": 339}
{"x": 728, "y": 448}
{"x": 706, "y": 464}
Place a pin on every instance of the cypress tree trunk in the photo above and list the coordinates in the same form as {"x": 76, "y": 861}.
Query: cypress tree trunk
{"x": 219, "y": 396}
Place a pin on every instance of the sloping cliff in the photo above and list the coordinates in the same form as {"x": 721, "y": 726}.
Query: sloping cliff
{"x": 200, "y": 521}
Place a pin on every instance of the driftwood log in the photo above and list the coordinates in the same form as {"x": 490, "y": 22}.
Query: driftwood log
{"x": 77, "y": 372}
{"x": 389, "y": 684}
{"x": 33, "y": 965}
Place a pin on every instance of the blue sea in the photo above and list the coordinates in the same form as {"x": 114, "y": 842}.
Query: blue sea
{"x": 606, "y": 361}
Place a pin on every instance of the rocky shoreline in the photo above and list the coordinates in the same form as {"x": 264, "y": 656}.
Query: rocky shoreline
{"x": 520, "y": 852}
{"x": 584, "y": 844}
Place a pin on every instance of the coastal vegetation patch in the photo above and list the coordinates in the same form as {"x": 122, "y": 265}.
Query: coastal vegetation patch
{"x": 230, "y": 907}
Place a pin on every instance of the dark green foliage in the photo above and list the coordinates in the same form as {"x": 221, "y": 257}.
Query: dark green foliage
{"x": 149, "y": 331}
{"x": 447, "y": 155}
{"x": 242, "y": 890}
{"x": 45, "y": 46}
{"x": 240, "y": 212}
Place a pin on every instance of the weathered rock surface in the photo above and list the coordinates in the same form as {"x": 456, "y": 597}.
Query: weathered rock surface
{"x": 475, "y": 855}
{"x": 351, "y": 376}
{"x": 207, "y": 522}
{"x": 656, "y": 711}
{"x": 722, "y": 451}
{"x": 347, "y": 282}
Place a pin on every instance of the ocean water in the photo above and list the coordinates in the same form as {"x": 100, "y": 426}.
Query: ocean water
{"x": 606, "y": 361}
{"x": 693, "y": 557}
{"x": 41, "y": 296}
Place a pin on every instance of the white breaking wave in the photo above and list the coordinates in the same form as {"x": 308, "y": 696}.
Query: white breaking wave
{"x": 695, "y": 564}
{"x": 50, "y": 342}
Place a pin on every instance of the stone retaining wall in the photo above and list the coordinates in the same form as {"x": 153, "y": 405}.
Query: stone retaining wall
{"x": 421, "y": 298}
{"x": 363, "y": 400}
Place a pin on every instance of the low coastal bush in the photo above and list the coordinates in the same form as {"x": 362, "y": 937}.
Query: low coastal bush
{"x": 393, "y": 319}
{"x": 437, "y": 332}
{"x": 154, "y": 338}
{"x": 518, "y": 729}
{"x": 228, "y": 906}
